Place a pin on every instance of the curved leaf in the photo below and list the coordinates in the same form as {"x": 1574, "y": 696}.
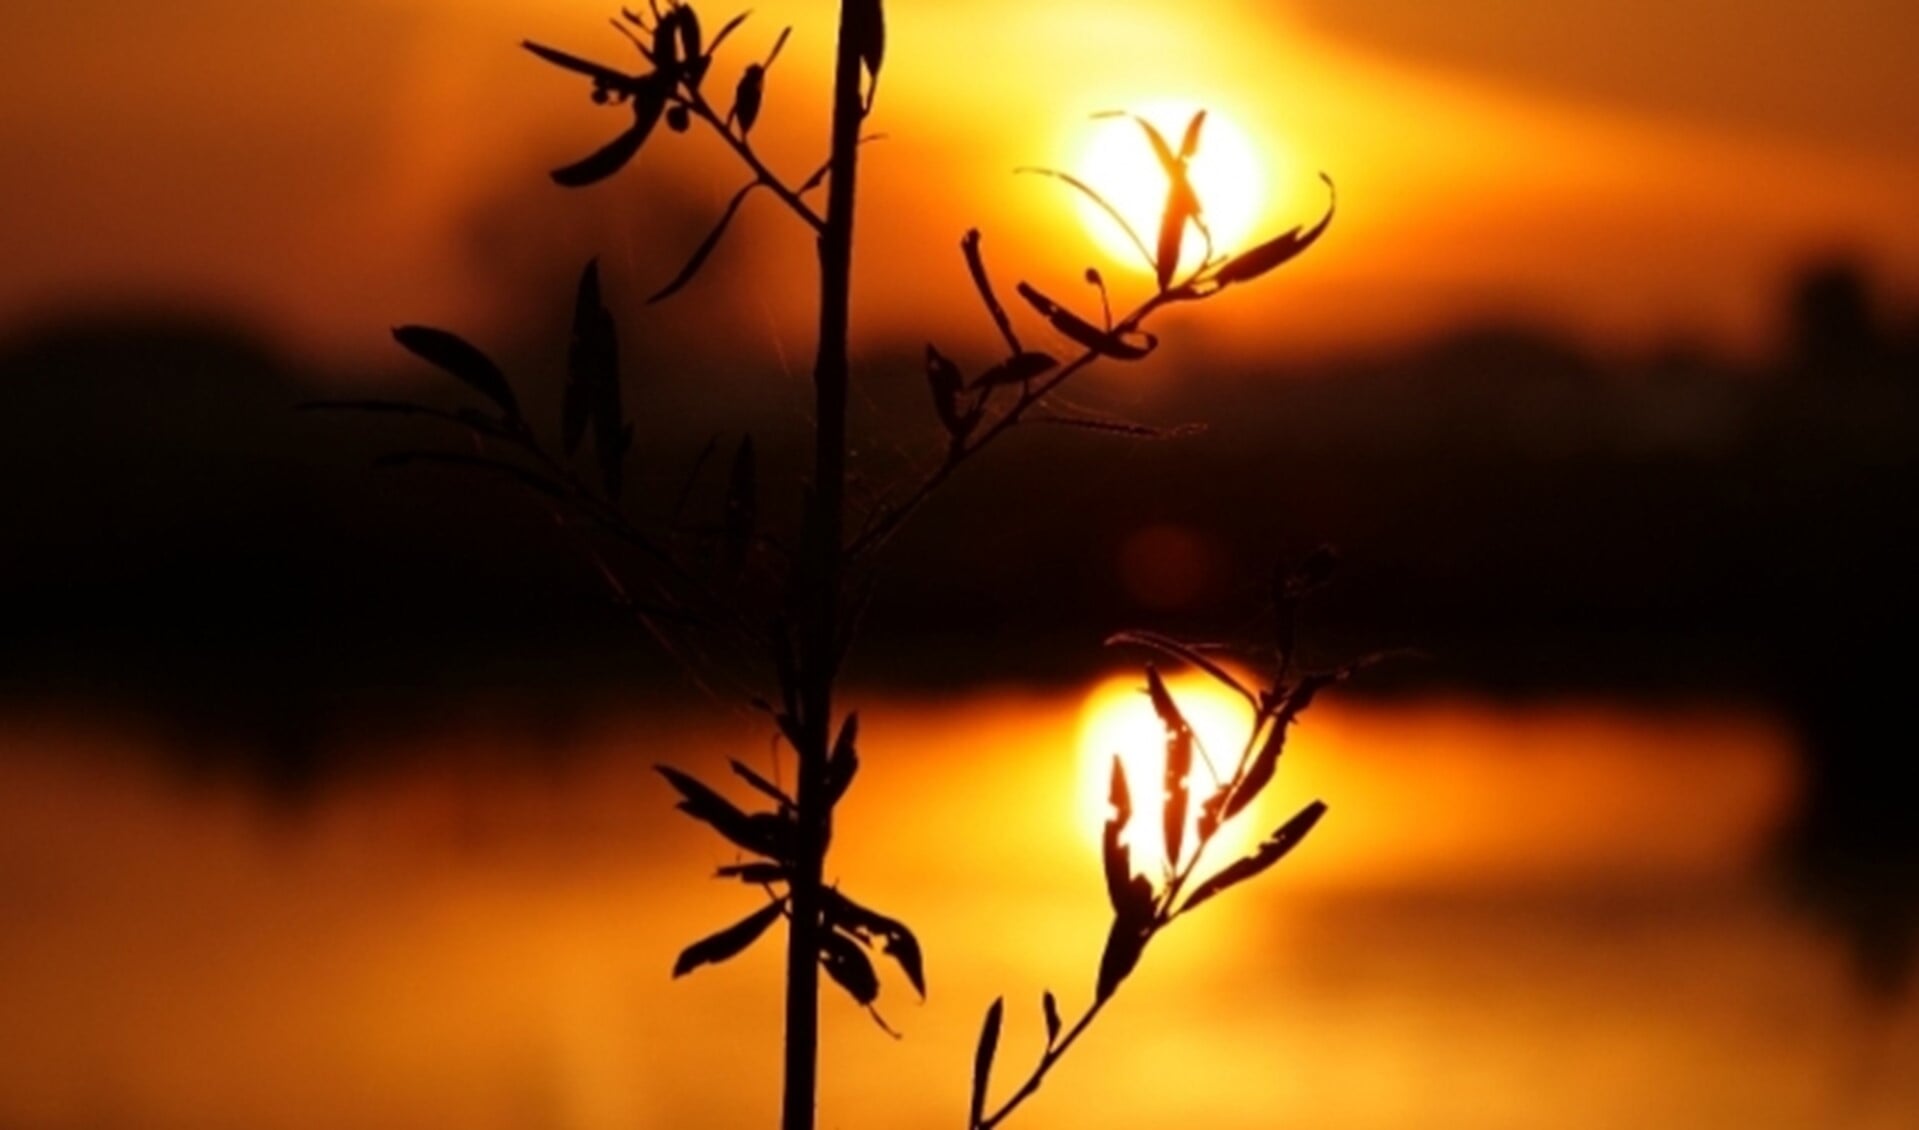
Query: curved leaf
{"x": 1118, "y": 865}
{"x": 1179, "y": 764}
{"x": 976, "y": 267}
{"x": 1085, "y": 333}
{"x": 895, "y": 939}
{"x": 847, "y": 964}
{"x": 727, "y": 943}
{"x": 1276, "y": 847}
{"x": 844, "y": 762}
{"x": 983, "y": 1054}
{"x": 1276, "y": 252}
{"x": 706, "y": 247}
{"x": 759, "y": 873}
{"x": 761, "y": 834}
{"x": 1103, "y": 204}
{"x": 461, "y": 359}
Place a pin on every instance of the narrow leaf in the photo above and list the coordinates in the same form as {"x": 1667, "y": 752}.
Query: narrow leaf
{"x": 976, "y": 267}
{"x": 1179, "y": 764}
{"x": 601, "y": 75}
{"x": 605, "y": 161}
{"x": 728, "y": 942}
{"x": 1085, "y": 333}
{"x": 759, "y": 873}
{"x": 1278, "y": 251}
{"x": 761, "y": 785}
{"x": 1186, "y": 653}
{"x": 726, "y": 30}
{"x": 844, "y": 762}
{"x": 1119, "y": 869}
{"x": 460, "y": 358}
{"x": 1276, "y": 847}
{"x": 1103, "y": 204}
{"x": 983, "y": 1059}
{"x": 1051, "y": 1008}
{"x": 1260, "y": 771}
{"x": 760, "y": 834}
{"x": 706, "y": 247}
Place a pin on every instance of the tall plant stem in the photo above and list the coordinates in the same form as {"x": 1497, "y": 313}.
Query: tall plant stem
{"x": 817, "y": 582}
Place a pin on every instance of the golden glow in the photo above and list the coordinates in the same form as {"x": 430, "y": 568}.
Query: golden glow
{"x": 1118, "y": 162}
{"x": 1118, "y": 719}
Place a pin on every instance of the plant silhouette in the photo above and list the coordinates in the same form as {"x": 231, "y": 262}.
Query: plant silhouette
{"x": 795, "y": 601}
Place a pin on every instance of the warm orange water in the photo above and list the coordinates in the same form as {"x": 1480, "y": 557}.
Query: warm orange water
{"x": 1537, "y": 918}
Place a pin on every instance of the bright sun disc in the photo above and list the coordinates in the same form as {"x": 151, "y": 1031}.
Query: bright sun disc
{"x": 1118, "y": 719}
{"x": 1118, "y": 162}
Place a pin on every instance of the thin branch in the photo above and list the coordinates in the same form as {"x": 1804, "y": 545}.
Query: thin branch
{"x": 889, "y": 522}
{"x": 703, "y": 110}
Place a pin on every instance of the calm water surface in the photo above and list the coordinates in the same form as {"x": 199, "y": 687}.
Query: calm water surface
{"x": 1543, "y": 917}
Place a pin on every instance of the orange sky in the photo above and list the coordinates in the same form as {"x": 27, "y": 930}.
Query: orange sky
{"x": 1631, "y": 171}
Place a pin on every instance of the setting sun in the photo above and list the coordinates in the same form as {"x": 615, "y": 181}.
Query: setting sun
{"x": 1118, "y": 719}
{"x": 1228, "y": 174}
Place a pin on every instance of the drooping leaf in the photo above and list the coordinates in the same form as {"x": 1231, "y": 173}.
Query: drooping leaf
{"x": 1050, "y": 1007}
{"x": 742, "y": 505}
{"x": 706, "y": 247}
{"x": 747, "y": 97}
{"x": 1274, "y": 849}
{"x": 976, "y": 267}
{"x": 865, "y": 25}
{"x": 1105, "y": 205}
{"x": 460, "y": 358}
{"x": 893, "y": 936}
{"x": 607, "y": 160}
{"x": 983, "y": 1055}
{"x": 1278, "y": 251}
{"x": 944, "y": 382}
{"x": 1113, "y": 345}
{"x": 1113, "y": 854}
{"x": 844, "y": 761}
{"x": 647, "y": 97}
{"x": 760, "y": 834}
{"x": 761, "y": 785}
{"x": 1179, "y": 764}
{"x": 1017, "y": 369}
{"x": 728, "y": 942}
{"x": 849, "y": 967}
{"x": 759, "y": 873}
